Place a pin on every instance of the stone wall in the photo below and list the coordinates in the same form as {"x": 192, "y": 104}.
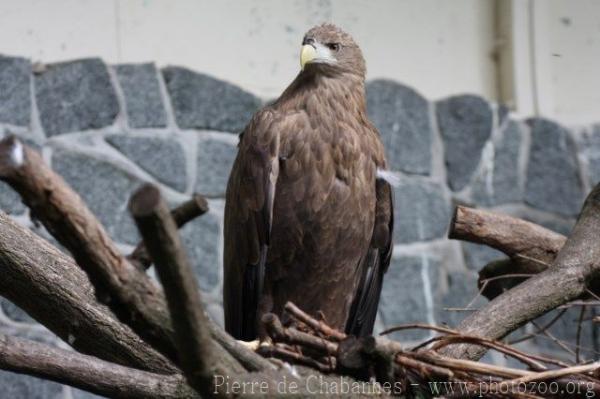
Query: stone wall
{"x": 108, "y": 128}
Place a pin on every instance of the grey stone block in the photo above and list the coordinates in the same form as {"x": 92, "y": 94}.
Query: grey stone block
{"x": 216, "y": 313}
{"x": 143, "y": 100}
{"x": 591, "y": 139}
{"x": 590, "y": 145}
{"x": 403, "y": 297}
{"x": 477, "y": 256}
{"x": 76, "y": 95}
{"x": 20, "y": 386}
{"x": 503, "y": 113}
{"x": 105, "y": 189}
{"x": 594, "y": 170}
{"x": 30, "y": 332}
{"x": 562, "y": 226}
{"x": 214, "y": 162}
{"x": 203, "y": 102}
{"x": 15, "y": 91}
{"x": 79, "y": 394}
{"x": 202, "y": 241}
{"x": 465, "y": 123}
{"x": 10, "y": 201}
{"x": 14, "y": 312}
{"x": 402, "y": 117}
{"x": 553, "y": 182}
{"x": 565, "y": 329}
{"x": 162, "y": 158}
{"x": 462, "y": 289}
{"x": 421, "y": 212}
{"x": 499, "y": 181}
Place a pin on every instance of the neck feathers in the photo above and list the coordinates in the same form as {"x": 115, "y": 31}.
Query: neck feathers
{"x": 330, "y": 92}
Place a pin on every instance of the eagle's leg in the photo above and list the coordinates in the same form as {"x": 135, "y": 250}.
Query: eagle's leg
{"x": 265, "y": 305}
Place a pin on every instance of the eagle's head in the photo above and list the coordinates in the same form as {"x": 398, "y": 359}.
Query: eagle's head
{"x": 327, "y": 47}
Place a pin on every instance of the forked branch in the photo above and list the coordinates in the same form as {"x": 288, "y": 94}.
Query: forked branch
{"x": 576, "y": 265}
{"x": 130, "y": 293}
{"x": 189, "y": 210}
{"x": 51, "y": 288}
{"x": 198, "y": 353}
{"x": 521, "y": 240}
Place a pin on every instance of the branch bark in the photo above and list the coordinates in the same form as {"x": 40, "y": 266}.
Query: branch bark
{"x": 576, "y": 264}
{"x": 523, "y": 241}
{"x": 198, "y": 353}
{"x": 87, "y": 372}
{"x": 51, "y": 288}
{"x": 532, "y": 248}
{"x": 189, "y": 210}
{"x": 130, "y": 293}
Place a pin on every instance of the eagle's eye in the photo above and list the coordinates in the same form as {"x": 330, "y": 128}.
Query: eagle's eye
{"x": 333, "y": 46}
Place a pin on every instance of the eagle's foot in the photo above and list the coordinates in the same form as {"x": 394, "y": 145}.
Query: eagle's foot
{"x": 251, "y": 345}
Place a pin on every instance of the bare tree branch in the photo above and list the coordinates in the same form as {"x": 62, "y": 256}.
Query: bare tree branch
{"x": 315, "y": 324}
{"x": 132, "y": 295}
{"x": 521, "y": 240}
{"x": 198, "y": 353}
{"x": 247, "y": 358}
{"x": 51, "y": 288}
{"x": 189, "y": 210}
{"x": 577, "y": 263}
{"x": 87, "y": 372}
{"x": 293, "y": 336}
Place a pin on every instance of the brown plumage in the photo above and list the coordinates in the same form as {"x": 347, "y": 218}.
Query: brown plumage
{"x": 306, "y": 218}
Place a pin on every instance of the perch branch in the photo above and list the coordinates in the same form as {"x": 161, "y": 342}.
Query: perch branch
{"x": 313, "y": 323}
{"x": 249, "y": 359}
{"x": 292, "y": 336}
{"x": 198, "y": 353}
{"x": 293, "y": 357}
{"x": 131, "y": 294}
{"x": 87, "y": 372}
{"x": 577, "y": 263}
{"x": 187, "y": 211}
{"x": 50, "y": 287}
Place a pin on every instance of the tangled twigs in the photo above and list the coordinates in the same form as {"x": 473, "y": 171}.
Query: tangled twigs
{"x": 294, "y": 337}
{"x": 316, "y": 325}
{"x": 288, "y": 354}
{"x": 424, "y": 364}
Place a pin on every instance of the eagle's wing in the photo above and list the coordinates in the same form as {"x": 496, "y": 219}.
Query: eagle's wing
{"x": 248, "y": 219}
{"x": 374, "y": 264}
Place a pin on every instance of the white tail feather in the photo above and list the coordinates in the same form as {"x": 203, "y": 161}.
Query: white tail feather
{"x": 391, "y": 177}
{"x": 16, "y": 154}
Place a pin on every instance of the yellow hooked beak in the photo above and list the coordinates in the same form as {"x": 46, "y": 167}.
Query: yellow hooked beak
{"x": 307, "y": 54}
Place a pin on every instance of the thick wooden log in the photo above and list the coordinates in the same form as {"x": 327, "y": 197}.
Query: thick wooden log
{"x": 51, "y": 288}
{"x": 129, "y": 292}
{"x": 89, "y": 373}
{"x": 532, "y": 248}
{"x": 199, "y": 355}
{"x": 521, "y": 240}
{"x": 576, "y": 265}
